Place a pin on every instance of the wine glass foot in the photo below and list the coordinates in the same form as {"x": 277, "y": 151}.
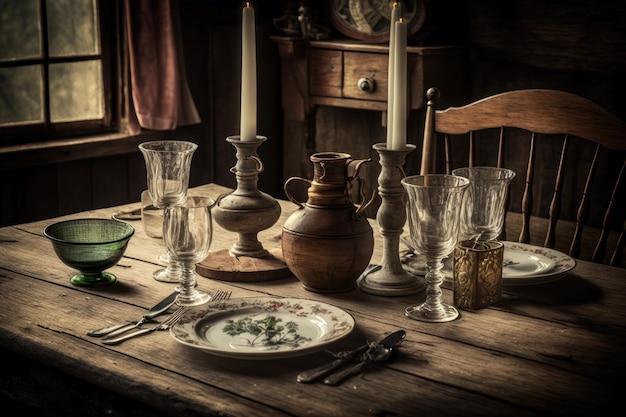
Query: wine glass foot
{"x": 424, "y": 312}
{"x": 163, "y": 275}
{"x": 195, "y": 298}
{"x": 93, "y": 280}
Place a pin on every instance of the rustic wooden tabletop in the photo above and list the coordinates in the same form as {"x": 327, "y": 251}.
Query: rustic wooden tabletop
{"x": 550, "y": 349}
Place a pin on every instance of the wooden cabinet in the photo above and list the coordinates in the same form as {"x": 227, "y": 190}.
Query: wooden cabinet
{"x": 352, "y": 74}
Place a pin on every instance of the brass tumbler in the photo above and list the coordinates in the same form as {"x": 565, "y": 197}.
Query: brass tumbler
{"x": 477, "y": 272}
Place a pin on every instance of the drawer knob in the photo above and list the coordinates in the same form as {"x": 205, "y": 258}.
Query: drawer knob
{"x": 367, "y": 85}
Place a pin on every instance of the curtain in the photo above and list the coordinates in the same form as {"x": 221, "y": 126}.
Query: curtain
{"x": 160, "y": 96}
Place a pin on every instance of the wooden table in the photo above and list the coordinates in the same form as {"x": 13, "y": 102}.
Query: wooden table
{"x": 551, "y": 349}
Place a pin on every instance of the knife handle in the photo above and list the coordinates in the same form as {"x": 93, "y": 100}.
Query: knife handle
{"x": 340, "y": 376}
{"x": 123, "y": 329}
{"x": 107, "y": 330}
{"x": 118, "y": 340}
{"x": 315, "y": 373}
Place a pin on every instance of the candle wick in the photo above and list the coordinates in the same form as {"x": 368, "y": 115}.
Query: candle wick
{"x": 247, "y": 4}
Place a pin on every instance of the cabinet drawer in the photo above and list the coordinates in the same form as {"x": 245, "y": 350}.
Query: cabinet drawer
{"x": 359, "y": 65}
{"x": 325, "y": 69}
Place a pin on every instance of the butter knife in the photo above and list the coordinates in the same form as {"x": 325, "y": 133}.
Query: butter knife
{"x": 153, "y": 312}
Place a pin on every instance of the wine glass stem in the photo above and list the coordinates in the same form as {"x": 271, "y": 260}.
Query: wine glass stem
{"x": 187, "y": 281}
{"x": 434, "y": 278}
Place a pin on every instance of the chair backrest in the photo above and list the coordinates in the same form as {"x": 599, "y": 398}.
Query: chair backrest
{"x": 569, "y": 156}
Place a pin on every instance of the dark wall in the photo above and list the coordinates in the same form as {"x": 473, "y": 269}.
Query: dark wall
{"x": 577, "y": 46}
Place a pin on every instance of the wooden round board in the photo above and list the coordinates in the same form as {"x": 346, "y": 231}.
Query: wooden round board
{"x": 221, "y": 265}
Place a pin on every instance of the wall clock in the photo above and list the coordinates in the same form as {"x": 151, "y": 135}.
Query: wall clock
{"x": 368, "y": 20}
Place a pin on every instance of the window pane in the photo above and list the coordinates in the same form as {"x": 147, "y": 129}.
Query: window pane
{"x": 72, "y": 28}
{"x": 76, "y": 91}
{"x": 19, "y": 29}
{"x": 21, "y": 95}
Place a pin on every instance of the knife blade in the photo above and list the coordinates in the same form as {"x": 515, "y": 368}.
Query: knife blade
{"x": 344, "y": 357}
{"x": 159, "y": 308}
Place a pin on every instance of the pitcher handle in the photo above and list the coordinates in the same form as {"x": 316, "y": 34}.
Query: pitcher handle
{"x": 288, "y": 193}
{"x": 353, "y": 174}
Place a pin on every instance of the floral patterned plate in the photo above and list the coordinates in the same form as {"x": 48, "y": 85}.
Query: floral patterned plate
{"x": 523, "y": 265}
{"x": 262, "y": 327}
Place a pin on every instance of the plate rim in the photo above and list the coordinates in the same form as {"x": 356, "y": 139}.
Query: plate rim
{"x": 551, "y": 264}
{"x": 564, "y": 264}
{"x": 204, "y": 311}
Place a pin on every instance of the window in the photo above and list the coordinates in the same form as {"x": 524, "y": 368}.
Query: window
{"x": 57, "y": 69}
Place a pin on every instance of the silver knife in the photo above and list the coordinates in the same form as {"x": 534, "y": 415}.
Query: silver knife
{"x": 155, "y": 311}
{"x": 344, "y": 357}
{"x": 376, "y": 352}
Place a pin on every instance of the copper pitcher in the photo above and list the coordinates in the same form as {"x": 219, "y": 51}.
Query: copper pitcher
{"x": 328, "y": 242}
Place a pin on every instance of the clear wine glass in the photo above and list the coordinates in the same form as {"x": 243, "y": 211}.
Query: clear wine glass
{"x": 434, "y": 206}
{"x": 152, "y": 222}
{"x": 483, "y": 213}
{"x": 187, "y": 232}
{"x": 168, "y": 163}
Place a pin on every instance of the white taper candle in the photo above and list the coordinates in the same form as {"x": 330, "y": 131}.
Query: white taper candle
{"x": 395, "y": 16}
{"x": 398, "y": 138}
{"x": 248, "y": 76}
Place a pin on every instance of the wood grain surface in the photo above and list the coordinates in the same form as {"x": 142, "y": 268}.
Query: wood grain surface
{"x": 551, "y": 349}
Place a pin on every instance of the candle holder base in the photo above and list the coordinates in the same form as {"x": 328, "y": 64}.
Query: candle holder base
{"x": 223, "y": 266}
{"x": 385, "y": 282}
{"x": 246, "y": 211}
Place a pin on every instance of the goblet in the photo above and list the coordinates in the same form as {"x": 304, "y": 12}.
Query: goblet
{"x": 187, "y": 232}
{"x": 90, "y": 246}
{"x": 152, "y": 222}
{"x": 434, "y": 206}
{"x": 482, "y": 217}
{"x": 168, "y": 163}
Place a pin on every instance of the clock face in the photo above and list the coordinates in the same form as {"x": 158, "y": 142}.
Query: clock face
{"x": 369, "y": 20}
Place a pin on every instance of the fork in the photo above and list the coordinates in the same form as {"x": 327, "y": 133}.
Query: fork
{"x": 166, "y": 324}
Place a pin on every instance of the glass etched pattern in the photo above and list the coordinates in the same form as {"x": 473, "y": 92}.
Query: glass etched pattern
{"x": 90, "y": 246}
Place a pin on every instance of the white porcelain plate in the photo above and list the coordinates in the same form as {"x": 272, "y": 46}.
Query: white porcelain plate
{"x": 262, "y": 327}
{"x": 519, "y": 264}
{"x": 513, "y": 250}
{"x": 523, "y": 264}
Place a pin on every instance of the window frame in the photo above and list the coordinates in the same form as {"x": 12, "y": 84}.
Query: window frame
{"x": 112, "y": 56}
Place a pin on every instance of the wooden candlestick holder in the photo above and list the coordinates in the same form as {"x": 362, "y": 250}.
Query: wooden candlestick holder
{"x": 390, "y": 279}
{"x": 246, "y": 211}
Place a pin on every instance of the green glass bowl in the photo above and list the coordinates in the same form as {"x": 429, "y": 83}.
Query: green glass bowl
{"x": 90, "y": 246}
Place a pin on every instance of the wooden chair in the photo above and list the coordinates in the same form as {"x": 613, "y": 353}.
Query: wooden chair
{"x": 569, "y": 156}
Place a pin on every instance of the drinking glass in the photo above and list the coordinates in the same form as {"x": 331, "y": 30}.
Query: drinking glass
{"x": 168, "y": 163}
{"x": 434, "y": 206}
{"x": 482, "y": 216}
{"x": 152, "y": 222}
{"x": 187, "y": 232}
